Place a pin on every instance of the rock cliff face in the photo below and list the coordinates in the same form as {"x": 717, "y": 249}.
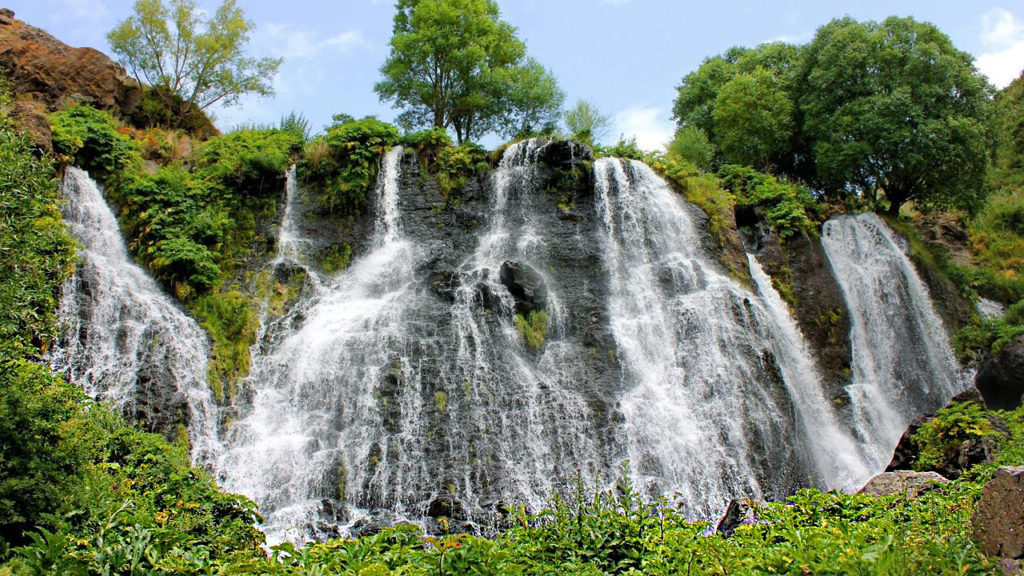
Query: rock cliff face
{"x": 48, "y": 74}
{"x": 56, "y": 74}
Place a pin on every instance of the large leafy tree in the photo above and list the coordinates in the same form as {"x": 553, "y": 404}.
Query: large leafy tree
{"x": 455, "y": 64}
{"x": 895, "y": 107}
{"x": 742, "y": 101}
{"x": 189, "y": 63}
{"x": 753, "y": 119}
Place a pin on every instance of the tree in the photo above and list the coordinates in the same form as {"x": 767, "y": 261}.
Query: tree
{"x": 753, "y": 119}
{"x": 692, "y": 144}
{"x": 534, "y": 101}
{"x": 758, "y": 85}
{"x": 895, "y": 107}
{"x": 456, "y": 64}
{"x": 188, "y": 63}
{"x": 586, "y": 122}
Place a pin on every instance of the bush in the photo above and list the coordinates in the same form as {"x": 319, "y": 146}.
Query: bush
{"x": 36, "y": 253}
{"x": 785, "y": 205}
{"x": 94, "y": 141}
{"x": 693, "y": 145}
{"x": 342, "y": 166}
{"x": 253, "y": 161}
{"x": 939, "y": 439}
{"x": 533, "y": 328}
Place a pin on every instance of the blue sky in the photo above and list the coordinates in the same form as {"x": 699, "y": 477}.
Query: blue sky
{"x": 625, "y": 55}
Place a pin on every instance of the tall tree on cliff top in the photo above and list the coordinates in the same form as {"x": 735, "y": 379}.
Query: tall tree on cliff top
{"x": 895, "y": 107}
{"x": 456, "y": 64}
{"x": 189, "y": 63}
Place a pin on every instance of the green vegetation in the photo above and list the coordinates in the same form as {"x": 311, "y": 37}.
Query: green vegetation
{"x": 533, "y": 328}
{"x": 341, "y": 166}
{"x": 587, "y": 123}
{"x": 189, "y": 64}
{"x": 456, "y": 64}
{"x": 864, "y": 108}
{"x": 938, "y": 439}
{"x": 785, "y": 206}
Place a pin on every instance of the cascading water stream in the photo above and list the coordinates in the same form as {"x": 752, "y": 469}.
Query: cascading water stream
{"x": 836, "y": 453}
{"x": 708, "y": 414}
{"x": 523, "y": 413}
{"x": 902, "y": 362}
{"x": 314, "y": 413}
{"x": 124, "y": 341}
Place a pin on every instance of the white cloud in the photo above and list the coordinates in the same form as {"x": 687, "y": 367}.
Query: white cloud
{"x": 651, "y": 128}
{"x": 1002, "y": 35}
{"x": 290, "y": 41}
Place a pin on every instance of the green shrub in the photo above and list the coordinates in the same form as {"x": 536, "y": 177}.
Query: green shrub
{"x": 36, "y": 253}
{"x": 249, "y": 161}
{"x": 785, "y": 205}
{"x": 693, "y": 145}
{"x": 94, "y": 141}
{"x": 342, "y": 166}
{"x": 938, "y": 439}
{"x": 533, "y": 328}
{"x": 456, "y": 165}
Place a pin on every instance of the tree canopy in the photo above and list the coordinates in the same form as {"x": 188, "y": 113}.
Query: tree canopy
{"x": 188, "y": 62}
{"x": 865, "y": 107}
{"x": 455, "y": 64}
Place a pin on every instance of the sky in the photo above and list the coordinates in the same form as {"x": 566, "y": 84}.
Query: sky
{"x": 626, "y": 56}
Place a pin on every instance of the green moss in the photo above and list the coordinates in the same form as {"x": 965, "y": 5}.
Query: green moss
{"x": 440, "y": 401}
{"x": 533, "y": 328}
{"x": 336, "y": 258}
{"x": 231, "y": 320}
{"x": 938, "y": 439}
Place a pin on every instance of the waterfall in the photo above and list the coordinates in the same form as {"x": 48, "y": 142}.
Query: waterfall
{"x": 124, "y": 341}
{"x": 836, "y": 453}
{"x": 902, "y": 361}
{"x": 708, "y": 414}
{"x": 521, "y": 425}
{"x": 453, "y": 371}
{"x": 314, "y": 412}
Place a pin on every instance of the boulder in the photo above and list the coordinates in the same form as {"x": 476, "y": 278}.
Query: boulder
{"x": 1001, "y": 377}
{"x": 999, "y": 520}
{"x": 525, "y": 285}
{"x": 56, "y": 74}
{"x": 968, "y": 454}
{"x": 908, "y": 482}
{"x": 738, "y": 513}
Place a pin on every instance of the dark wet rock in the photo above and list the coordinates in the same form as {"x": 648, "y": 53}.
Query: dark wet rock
{"x": 1001, "y": 377}
{"x": 445, "y": 507}
{"x": 525, "y": 285}
{"x": 999, "y": 520}
{"x": 907, "y": 482}
{"x": 738, "y": 513}
{"x": 800, "y": 264}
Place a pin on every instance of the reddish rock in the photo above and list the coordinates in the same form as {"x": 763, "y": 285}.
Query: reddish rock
{"x": 913, "y": 484}
{"x": 999, "y": 520}
{"x": 56, "y": 74}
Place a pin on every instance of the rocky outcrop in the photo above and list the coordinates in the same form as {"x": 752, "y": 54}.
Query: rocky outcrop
{"x": 999, "y": 521}
{"x": 907, "y": 482}
{"x": 967, "y": 455}
{"x": 525, "y": 285}
{"x": 801, "y": 265}
{"x": 49, "y": 71}
{"x": 1001, "y": 377}
{"x": 738, "y": 513}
